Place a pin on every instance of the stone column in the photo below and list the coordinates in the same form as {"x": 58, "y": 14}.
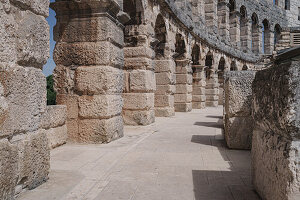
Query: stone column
{"x": 269, "y": 42}
{"x": 211, "y": 14}
{"x": 257, "y": 39}
{"x": 139, "y": 78}
{"x": 165, "y": 87}
{"x": 198, "y": 99}
{"x": 223, "y": 19}
{"x": 221, "y": 86}
{"x": 212, "y": 89}
{"x": 235, "y": 28}
{"x": 245, "y": 34}
{"x": 184, "y": 80}
{"x": 89, "y": 72}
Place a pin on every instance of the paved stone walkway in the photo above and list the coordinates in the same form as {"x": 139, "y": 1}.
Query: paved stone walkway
{"x": 178, "y": 158}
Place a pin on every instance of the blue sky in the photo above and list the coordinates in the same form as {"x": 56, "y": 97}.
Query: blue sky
{"x": 49, "y": 67}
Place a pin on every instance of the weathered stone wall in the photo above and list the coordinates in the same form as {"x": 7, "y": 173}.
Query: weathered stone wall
{"x": 276, "y": 135}
{"x": 54, "y": 123}
{"x": 24, "y": 49}
{"x": 237, "y": 109}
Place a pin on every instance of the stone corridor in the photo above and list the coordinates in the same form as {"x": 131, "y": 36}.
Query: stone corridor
{"x": 178, "y": 158}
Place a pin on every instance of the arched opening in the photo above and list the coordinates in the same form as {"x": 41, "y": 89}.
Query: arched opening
{"x": 275, "y": 2}
{"x": 134, "y": 9}
{"x": 208, "y": 65}
{"x": 244, "y": 33}
{"x": 221, "y": 68}
{"x": 245, "y": 68}
{"x": 160, "y": 36}
{"x": 255, "y": 40}
{"x": 277, "y": 34}
{"x": 266, "y": 37}
{"x": 195, "y": 56}
{"x": 287, "y": 5}
{"x": 233, "y": 66}
{"x": 179, "y": 47}
{"x": 234, "y": 23}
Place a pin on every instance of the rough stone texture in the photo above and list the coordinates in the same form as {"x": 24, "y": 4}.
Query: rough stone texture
{"x": 57, "y": 136}
{"x": 212, "y": 91}
{"x": 276, "y": 136}
{"x": 237, "y": 109}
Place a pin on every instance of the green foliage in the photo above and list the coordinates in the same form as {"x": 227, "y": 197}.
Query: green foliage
{"x": 51, "y": 94}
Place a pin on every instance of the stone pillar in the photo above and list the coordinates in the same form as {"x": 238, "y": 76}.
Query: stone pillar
{"x": 24, "y": 49}
{"x": 269, "y": 42}
{"x": 221, "y": 86}
{"x": 165, "y": 88}
{"x": 223, "y": 19}
{"x": 256, "y": 39}
{"x": 212, "y": 89}
{"x": 211, "y": 14}
{"x": 184, "y": 80}
{"x": 198, "y": 100}
{"x": 139, "y": 80}
{"x": 245, "y": 34}
{"x": 276, "y": 136}
{"x": 235, "y": 28}
{"x": 89, "y": 73}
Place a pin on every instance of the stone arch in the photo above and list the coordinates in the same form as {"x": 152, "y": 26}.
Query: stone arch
{"x": 221, "y": 69}
{"x": 245, "y": 68}
{"x": 287, "y": 4}
{"x": 232, "y": 6}
{"x": 196, "y": 54}
{"x": 266, "y": 37}
{"x": 255, "y": 41}
{"x": 134, "y": 8}
{"x": 233, "y": 66}
{"x": 160, "y": 36}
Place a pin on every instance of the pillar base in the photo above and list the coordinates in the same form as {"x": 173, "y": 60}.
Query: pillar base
{"x": 198, "y": 105}
{"x": 212, "y": 103}
{"x": 183, "y": 107}
{"x": 138, "y": 117}
{"x": 164, "y": 112}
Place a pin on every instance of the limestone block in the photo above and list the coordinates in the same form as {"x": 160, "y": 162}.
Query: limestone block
{"x": 165, "y": 89}
{"x": 8, "y": 51}
{"x": 183, "y": 88}
{"x": 183, "y": 107}
{"x": 99, "y": 106}
{"x": 25, "y": 94}
{"x": 8, "y": 169}
{"x": 57, "y": 136}
{"x": 138, "y": 101}
{"x": 126, "y": 88}
{"x": 41, "y": 7}
{"x": 198, "y": 90}
{"x": 238, "y": 132}
{"x": 34, "y": 158}
{"x": 182, "y": 98}
{"x": 88, "y": 53}
{"x": 164, "y": 101}
{"x": 211, "y": 103}
{"x": 88, "y": 30}
{"x": 54, "y": 116}
{"x": 94, "y": 80}
{"x": 212, "y": 98}
{"x": 33, "y": 38}
{"x": 201, "y": 83}
{"x": 139, "y": 63}
{"x": 72, "y": 130}
{"x": 142, "y": 81}
{"x": 63, "y": 79}
{"x": 214, "y": 91}
{"x": 71, "y": 101}
{"x": 99, "y": 130}
{"x": 198, "y": 98}
{"x": 184, "y": 79}
{"x": 165, "y": 78}
{"x": 187, "y": 69}
{"x": 164, "y": 111}
{"x": 238, "y": 93}
{"x": 164, "y": 66}
{"x": 138, "y": 117}
{"x": 198, "y": 105}
{"x": 140, "y": 51}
